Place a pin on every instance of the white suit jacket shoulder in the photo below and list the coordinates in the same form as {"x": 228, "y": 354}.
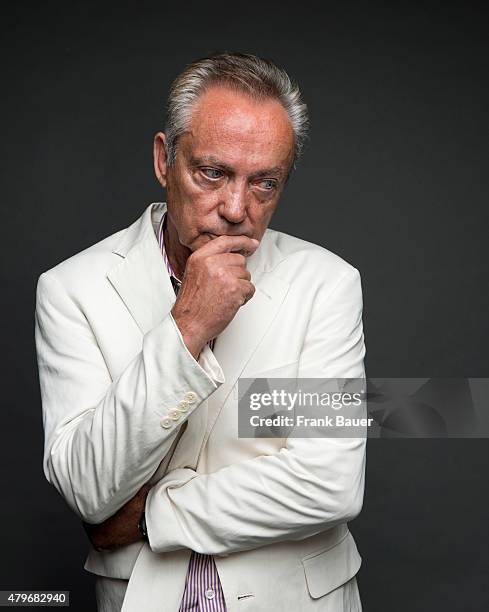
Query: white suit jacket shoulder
{"x": 310, "y": 264}
{"x": 294, "y": 246}
{"x": 84, "y": 269}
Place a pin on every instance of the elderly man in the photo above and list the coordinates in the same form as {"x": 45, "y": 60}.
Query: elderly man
{"x": 141, "y": 339}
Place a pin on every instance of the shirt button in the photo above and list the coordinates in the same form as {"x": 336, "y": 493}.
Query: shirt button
{"x": 174, "y": 414}
{"x": 190, "y": 397}
{"x": 166, "y": 422}
{"x": 183, "y": 406}
{"x": 210, "y": 593}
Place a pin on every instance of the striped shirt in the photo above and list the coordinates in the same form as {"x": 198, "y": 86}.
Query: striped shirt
{"x": 203, "y": 591}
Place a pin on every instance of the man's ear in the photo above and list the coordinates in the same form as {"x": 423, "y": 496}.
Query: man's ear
{"x": 159, "y": 157}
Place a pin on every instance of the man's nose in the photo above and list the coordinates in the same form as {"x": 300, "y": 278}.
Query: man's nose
{"x": 233, "y": 204}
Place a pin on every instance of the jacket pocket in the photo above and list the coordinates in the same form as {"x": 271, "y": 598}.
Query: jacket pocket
{"x": 328, "y": 569}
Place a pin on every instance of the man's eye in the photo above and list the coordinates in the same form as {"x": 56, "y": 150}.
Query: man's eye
{"x": 268, "y": 184}
{"x": 211, "y": 173}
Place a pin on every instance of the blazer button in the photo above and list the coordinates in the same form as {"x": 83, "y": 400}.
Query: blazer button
{"x": 183, "y": 406}
{"x": 190, "y": 397}
{"x": 174, "y": 414}
{"x": 166, "y": 422}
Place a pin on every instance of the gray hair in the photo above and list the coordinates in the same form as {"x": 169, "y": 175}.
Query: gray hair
{"x": 258, "y": 77}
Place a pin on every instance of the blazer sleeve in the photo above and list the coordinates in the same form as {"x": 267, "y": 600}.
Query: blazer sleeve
{"x": 310, "y": 485}
{"x": 104, "y": 438}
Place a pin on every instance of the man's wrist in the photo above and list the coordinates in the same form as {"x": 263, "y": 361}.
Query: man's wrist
{"x": 194, "y": 348}
{"x": 189, "y": 336}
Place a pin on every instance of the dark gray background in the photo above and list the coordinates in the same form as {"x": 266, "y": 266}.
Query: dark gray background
{"x": 394, "y": 179}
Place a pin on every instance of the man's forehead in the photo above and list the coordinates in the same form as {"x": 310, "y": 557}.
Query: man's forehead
{"x": 224, "y": 102}
{"x": 223, "y": 117}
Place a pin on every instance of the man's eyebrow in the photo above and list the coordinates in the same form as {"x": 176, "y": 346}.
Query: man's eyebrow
{"x": 210, "y": 159}
{"x": 275, "y": 171}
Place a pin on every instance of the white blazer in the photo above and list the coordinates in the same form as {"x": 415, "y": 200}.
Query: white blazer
{"x": 113, "y": 365}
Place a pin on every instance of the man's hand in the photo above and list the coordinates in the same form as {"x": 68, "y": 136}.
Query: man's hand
{"x": 215, "y": 285}
{"x": 121, "y": 528}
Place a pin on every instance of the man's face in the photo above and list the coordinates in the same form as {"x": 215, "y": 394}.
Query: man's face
{"x": 230, "y": 168}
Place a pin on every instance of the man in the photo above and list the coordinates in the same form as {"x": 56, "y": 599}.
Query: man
{"x": 141, "y": 339}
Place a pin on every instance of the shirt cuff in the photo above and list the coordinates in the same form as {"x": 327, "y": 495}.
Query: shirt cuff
{"x": 210, "y": 365}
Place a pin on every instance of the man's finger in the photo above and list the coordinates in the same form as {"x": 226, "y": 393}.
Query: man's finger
{"x": 228, "y": 259}
{"x": 242, "y": 273}
{"x": 228, "y": 244}
{"x": 248, "y": 290}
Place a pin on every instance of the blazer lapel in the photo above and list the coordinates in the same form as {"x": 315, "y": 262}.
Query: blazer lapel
{"x": 140, "y": 278}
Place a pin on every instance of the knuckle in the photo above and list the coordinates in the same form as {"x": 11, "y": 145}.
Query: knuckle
{"x": 220, "y": 274}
